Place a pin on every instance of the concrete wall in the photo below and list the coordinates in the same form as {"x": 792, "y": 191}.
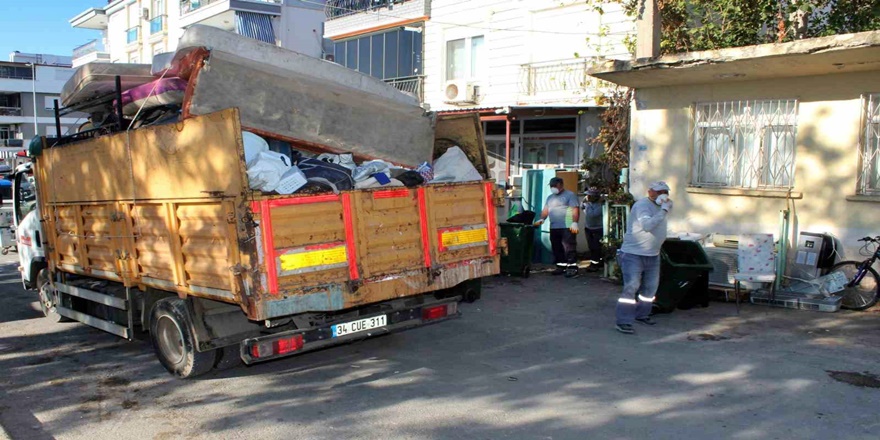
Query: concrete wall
{"x": 517, "y": 33}
{"x": 301, "y": 29}
{"x": 826, "y": 164}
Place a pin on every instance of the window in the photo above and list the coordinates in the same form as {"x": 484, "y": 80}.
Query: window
{"x": 10, "y": 100}
{"x": 49, "y": 102}
{"x": 13, "y": 72}
{"x": 745, "y": 144}
{"x": 389, "y": 55}
{"x": 466, "y": 58}
{"x": 869, "y": 151}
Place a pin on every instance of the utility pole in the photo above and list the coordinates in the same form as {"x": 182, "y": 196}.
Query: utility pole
{"x": 34, "y": 88}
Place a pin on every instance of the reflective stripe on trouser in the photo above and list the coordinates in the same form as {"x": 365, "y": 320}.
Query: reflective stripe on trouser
{"x": 641, "y": 276}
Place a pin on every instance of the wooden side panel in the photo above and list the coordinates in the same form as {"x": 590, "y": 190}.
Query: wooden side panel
{"x": 458, "y": 210}
{"x": 68, "y": 244}
{"x": 152, "y": 242}
{"x": 98, "y": 237}
{"x": 191, "y": 159}
{"x": 314, "y": 229}
{"x": 202, "y": 230}
{"x": 388, "y": 232}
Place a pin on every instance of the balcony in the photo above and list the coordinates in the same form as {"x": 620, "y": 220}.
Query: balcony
{"x": 92, "y": 18}
{"x": 560, "y": 78}
{"x": 413, "y": 85}
{"x": 10, "y": 111}
{"x": 341, "y": 8}
{"x": 132, "y": 35}
{"x": 157, "y": 25}
{"x": 90, "y": 52}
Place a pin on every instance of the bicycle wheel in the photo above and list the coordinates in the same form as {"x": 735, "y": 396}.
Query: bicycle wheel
{"x": 863, "y": 295}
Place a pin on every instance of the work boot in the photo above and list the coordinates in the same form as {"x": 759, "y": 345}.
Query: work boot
{"x": 646, "y": 320}
{"x": 558, "y": 271}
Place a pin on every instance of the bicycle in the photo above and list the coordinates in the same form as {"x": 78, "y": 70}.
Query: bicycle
{"x": 861, "y": 291}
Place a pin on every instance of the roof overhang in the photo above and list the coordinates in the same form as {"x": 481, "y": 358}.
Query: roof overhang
{"x": 815, "y": 56}
{"x": 92, "y": 18}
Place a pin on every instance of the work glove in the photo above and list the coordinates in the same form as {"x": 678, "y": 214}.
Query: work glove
{"x": 539, "y": 222}
{"x": 574, "y": 228}
{"x": 667, "y": 205}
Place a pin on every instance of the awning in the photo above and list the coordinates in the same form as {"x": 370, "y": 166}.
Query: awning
{"x": 256, "y": 26}
{"x": 813, "y": 56}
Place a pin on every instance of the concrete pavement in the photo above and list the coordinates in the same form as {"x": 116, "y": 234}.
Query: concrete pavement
{"x": 535, "y": 359}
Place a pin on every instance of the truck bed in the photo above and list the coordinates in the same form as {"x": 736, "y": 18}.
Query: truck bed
{"x": 168, "y": 208}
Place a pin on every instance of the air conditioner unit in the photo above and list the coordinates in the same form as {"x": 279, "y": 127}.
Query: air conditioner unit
{"x": 460, "y": 92}
{"x": 145, "y": 13}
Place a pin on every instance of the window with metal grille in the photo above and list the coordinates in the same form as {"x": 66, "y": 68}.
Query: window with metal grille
{"x": 869, "y": 150}
{"x": 745, "y": 144}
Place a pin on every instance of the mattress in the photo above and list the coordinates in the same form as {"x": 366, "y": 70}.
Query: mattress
{"x": 96, "y": 80}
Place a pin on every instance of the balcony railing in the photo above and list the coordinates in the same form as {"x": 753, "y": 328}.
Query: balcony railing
{"x": 559, "y": 76}
{"x": 10, "y": 111}
{"x": 413, "y": 85}
{"x": 187, "y": 6}
{"x": 131, "y": 35}
{"x": 88, "y": 48}
{"x": 157, "y": 24}
{"x": 341, "y": 8}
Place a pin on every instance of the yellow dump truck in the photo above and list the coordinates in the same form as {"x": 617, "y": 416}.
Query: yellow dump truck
{"x": 156, "y": 231}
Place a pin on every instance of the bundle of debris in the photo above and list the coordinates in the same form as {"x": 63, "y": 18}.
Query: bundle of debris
{"x": 308, "y": 125}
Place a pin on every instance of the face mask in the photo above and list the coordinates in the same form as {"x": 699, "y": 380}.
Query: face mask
{"x": 555, "y": 191}
{"x": 661, "y": 199}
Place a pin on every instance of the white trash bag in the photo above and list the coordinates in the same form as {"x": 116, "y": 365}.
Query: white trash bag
{"x": 266, "y": 169}
{"x": 454, "y": 166}
{"x": 253, "y": 145}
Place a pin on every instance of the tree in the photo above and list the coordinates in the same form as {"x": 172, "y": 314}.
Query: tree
{"x": 693, "y": 25}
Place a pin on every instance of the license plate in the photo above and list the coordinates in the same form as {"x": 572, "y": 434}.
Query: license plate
{"x": 360, "y": 325}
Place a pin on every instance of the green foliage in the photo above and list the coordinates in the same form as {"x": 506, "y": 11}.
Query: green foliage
{"x": 693, "y": 25}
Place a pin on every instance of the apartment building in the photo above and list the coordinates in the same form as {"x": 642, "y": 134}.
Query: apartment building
{"x": 132, "y": 31}
{"x": 521, "y": 64}
{"x": 29, "y": 86}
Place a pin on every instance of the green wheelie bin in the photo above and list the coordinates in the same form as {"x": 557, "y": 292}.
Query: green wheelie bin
{"x": 520, "y": 248}
{"x": 684, "y": 276}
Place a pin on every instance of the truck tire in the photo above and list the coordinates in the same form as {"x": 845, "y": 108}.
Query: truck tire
{"x": 174, "y": 342}
{"x": 48, "y": 297}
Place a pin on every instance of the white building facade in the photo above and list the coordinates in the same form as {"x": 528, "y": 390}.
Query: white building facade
{"x": 29, "y": 86}
{"x": 132, "y": 31}
{"x": 521, "y": 63}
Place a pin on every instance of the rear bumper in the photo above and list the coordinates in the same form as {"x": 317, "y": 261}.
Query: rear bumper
{"x": 321, "y": 337}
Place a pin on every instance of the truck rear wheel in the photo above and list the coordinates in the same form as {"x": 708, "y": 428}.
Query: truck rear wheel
{"x": 48, "y": 298}
{"x": 174, "y": 342}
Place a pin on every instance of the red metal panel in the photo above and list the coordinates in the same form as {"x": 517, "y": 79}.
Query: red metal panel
{"x": 490, "y": 219}
{"x": 391, "y": 194}
{"x": 269, "y": 245}
{"x": 349, "y": 236}
{"x": 423, "y": 223}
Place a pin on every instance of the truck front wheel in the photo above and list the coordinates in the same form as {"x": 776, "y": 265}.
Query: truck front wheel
{"x": 173, "y": 340}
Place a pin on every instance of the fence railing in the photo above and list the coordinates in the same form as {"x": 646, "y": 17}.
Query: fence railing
{"x": 558, "y": 76}
{"x": 88, "y": 48}
{"x": 10, "y": 111}
{"x": 131, "y": 35}
{"x": 413, "y": 85}
{"x": 341, "y": 8}
{"x": 157, "y": 24}
{"x": 187, "y": 6}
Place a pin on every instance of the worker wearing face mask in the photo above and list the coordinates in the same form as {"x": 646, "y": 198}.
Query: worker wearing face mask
{"x": 639, "y": 257}
{"x": 561, "y": 207}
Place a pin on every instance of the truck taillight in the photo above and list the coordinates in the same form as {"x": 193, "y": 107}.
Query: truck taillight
{"x": 264, "y": 349}
{"x": 437, "y": 312}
